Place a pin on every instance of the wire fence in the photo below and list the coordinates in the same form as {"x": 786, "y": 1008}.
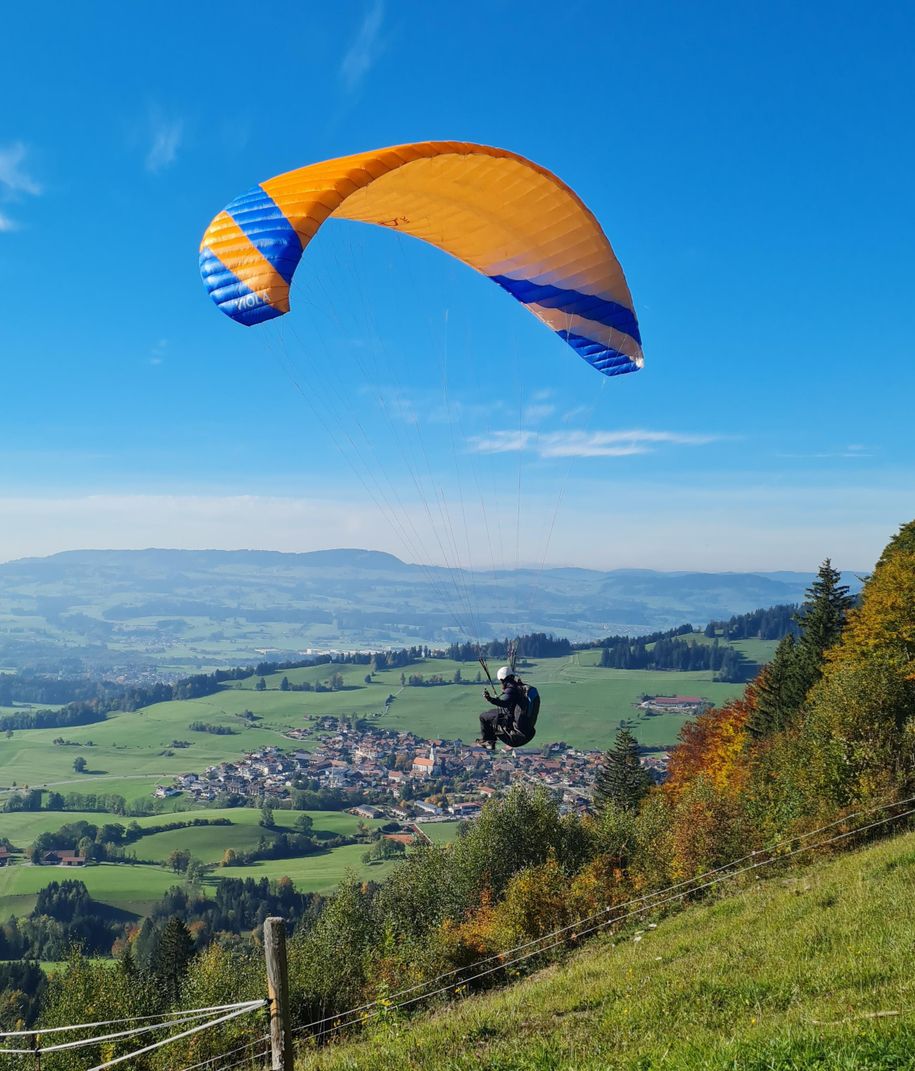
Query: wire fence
{"x": 212, "y": 1016}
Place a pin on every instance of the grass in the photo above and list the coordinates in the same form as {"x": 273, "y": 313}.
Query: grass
{"x": 811, "y": 970}
{"x": 132, "y": 888}
{"x": 135, "y": 887}
{"x": 316, "y": 873}
{"x": 208, "y": 843}
{"x": 441, "y": 832}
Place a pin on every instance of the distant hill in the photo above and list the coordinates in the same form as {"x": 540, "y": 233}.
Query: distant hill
{"x": 178, "y": 609}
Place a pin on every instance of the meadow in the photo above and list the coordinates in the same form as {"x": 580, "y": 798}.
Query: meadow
{"x": 134, "y": 887}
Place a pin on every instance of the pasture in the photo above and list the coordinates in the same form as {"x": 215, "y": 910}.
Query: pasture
{"x": 134, "y": 887}
{"x": 130, "y": 753}
{"x": 583, "y": 704}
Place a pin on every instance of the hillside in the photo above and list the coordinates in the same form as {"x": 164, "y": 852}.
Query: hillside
{"x": 179, "y": 609}
{"x": 811, "y": 969}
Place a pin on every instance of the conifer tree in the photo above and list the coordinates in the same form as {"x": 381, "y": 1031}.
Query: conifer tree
{"x": 620, "y": 780}
{"x": 779, "y": 691}
{"x": 173, "y": 951}
{"x": 821, "y": 620}
{"x": 798, "y": 664}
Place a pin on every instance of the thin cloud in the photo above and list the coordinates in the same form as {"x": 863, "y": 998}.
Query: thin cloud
{"x": 14, "y": 178}
{"x": 157, "y": 353}
{"x": 166, "y": 136}
{"x": 583, "y": 443}
{"x": 538, "y": 411}
{"x": 853, "y": 451}
{"x": 15, "y": 181}
{"x": 365, "y": 49}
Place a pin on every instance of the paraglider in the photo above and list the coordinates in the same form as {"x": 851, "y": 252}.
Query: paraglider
{"x": 501, "y": 214}
{"x": 514, "y": 719}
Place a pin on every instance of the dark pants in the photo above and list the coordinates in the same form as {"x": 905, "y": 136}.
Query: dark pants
{"x": 492, "y": 729}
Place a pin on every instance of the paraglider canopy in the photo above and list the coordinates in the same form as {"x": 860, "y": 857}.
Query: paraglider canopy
{"x": 501, "y": 214}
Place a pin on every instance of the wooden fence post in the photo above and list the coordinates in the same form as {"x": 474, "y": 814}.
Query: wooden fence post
{"x": 278, "y": 994}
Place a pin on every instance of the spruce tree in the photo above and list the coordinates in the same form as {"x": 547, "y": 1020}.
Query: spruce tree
{"x": 620, "y": 780}
{"x": 779, "y": 691}
{"x": 797, "y": 665}
{"x": 173, "y": 951}
{"x": 821, "y": 620}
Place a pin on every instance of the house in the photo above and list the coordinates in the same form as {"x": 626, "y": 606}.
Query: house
{"x": 675, "y": 704}
{"x": 367, "y": 811}
{"x": 63, "y": 857}
{"x": 4, "y": 856}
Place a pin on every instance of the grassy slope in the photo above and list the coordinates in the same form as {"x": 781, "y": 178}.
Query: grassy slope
{"x": 807, "y": 971}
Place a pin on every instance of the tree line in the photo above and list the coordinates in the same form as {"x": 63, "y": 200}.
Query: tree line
{"x": 675, "y": 654}
{"x": 771, "y": 623}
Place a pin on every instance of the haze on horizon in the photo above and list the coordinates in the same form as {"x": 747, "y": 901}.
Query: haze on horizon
{"x": 769, "y": 265}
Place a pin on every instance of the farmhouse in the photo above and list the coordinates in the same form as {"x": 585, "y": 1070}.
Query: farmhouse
{"x": 675, "y": 704}
{"x": 63, "y": 857}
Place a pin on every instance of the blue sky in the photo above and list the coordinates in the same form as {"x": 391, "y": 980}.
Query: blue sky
{"x": 751, "y": 165}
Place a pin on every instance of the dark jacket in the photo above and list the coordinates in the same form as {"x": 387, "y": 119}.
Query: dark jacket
{"x": 510, "y": 698}
{"x": 513, "y": 704}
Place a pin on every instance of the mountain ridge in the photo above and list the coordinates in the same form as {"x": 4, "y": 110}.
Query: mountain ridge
{"x": 192, "y": 608}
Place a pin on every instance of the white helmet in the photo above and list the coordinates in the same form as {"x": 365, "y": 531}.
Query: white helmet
{"x": 504, "y": 671}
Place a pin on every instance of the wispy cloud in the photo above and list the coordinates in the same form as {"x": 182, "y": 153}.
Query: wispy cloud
{"x": 15, "y": 180}
{"x": 854, "y": 451}
{"x": 538, "y": 411}
{"x": 584, "y": 443}
{"x": 165, "y": 138}
{"x": 365, "y": 48}
{"x": 157, "y": 353}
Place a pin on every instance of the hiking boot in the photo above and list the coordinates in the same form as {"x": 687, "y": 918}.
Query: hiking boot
{"x": 490, "y": 745}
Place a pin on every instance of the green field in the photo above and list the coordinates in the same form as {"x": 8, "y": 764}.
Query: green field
{"x": 811, "y": 970}
{"x": 582, "y": 704}
{"x": 130, "y": 753}
{"x": 441, "y": 832}
{"x": 134, "y": 887}
{"x": 208, "y": 843}
{"x": 128, "y": 887}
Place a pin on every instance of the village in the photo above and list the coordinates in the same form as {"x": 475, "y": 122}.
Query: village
{"x": 379, "y": 773}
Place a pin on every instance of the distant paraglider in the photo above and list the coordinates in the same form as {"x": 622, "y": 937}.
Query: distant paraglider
{"x": 503, "y": 215}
